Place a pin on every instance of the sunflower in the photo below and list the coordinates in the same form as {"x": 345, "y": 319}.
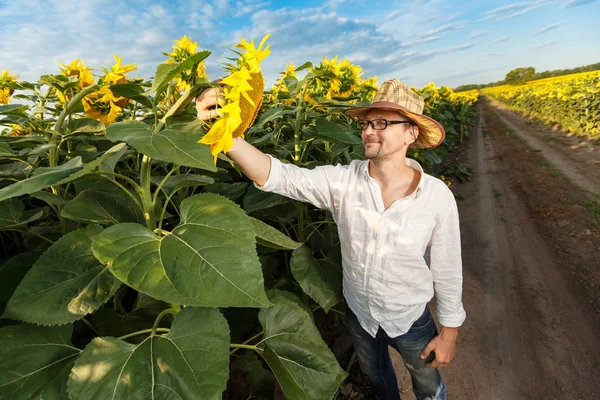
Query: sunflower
{"x": 243, "y": 90}
{"x": 280, "y": 87}
{"x": 182, "y": 50}
{"x": 367, "y": 88}
{"x": 6, "y": 81}
{"x": 348, "y": 76}
{"x": 103, "y": 104}
{"x": 75, "y": 68}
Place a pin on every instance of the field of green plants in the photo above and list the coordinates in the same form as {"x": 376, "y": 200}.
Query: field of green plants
{"x": 571, "y": 101}
{"x": 133, "y": 266}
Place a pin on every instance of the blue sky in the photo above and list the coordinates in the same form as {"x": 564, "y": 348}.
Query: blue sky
{"x": 448, "y": 42}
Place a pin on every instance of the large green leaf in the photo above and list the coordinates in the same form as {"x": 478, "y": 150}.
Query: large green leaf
{"x": 165, "y": 73}
{"x": 85, "y": 125}
{"x": 336, "y": 133}
{"x": 233, "y": 191}
{"x": 260, "y": 379}
{"x": 5, "y": 150}
{"x": 12, "y": 273}
{"x": 13, "y": 109}
{"x": 49, "y": 198}
{"x": 320, "y": 279}
{"x": 191, "y": 362}
{"x": 299, "y": 358}
{"x": 132, "y": 91}
{"x": 270, "y": 237}
{"x": 50, "y": 176}
{"x": 179, "y": 147}
{"x": 65, "y": 284}
{"x": 36, "y": 361}
{"x": 209, "y": 259}
{"x": 255, "y": 199}
{"x": 103, "y": 207}
{"x": 176, "y": 182}
{"x": 11, "y": 215}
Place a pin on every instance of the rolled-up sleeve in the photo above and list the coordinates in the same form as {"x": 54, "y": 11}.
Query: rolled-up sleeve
{"x": 307, "y": 185}
{"x": 446, "y": 268}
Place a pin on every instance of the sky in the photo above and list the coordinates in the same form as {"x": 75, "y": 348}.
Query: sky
{"x": 448, "y": 42}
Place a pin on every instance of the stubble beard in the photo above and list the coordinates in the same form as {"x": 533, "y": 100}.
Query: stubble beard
{"x": 372, "y": 153}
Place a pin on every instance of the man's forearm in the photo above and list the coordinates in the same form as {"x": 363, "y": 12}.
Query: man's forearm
{"x": 255, "y": 164}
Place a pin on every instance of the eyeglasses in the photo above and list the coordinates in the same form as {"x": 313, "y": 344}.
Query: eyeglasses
{"x": 378, "y": 124}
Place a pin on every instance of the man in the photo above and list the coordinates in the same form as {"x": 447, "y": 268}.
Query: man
{"x": 388, "y": 212}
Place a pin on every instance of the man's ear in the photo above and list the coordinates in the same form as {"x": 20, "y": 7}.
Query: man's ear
{"x": 414, "y": 133}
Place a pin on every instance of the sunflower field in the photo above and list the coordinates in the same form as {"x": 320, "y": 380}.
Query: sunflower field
{"x": 571, "y": 101}
{"x": 135, "y": 259}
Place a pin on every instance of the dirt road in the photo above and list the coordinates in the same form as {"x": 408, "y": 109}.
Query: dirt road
{"x": 531, "y": 265}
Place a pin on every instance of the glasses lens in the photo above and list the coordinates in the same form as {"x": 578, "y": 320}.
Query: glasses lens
{"x": 380, "y": 124}
{"x": 361, "y": 124}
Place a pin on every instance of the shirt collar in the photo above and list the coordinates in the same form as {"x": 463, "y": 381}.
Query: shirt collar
{"x": 411, "y": 163}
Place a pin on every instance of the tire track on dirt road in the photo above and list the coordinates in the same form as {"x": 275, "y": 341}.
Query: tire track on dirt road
{"x": 578, "y": 173}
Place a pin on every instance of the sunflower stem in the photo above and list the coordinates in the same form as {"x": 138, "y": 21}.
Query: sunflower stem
{"x": 164, "y": 330}
{"x": 148, "y": 205}
{"x": 53, "y": 154}
{"x": 160, "y": 317}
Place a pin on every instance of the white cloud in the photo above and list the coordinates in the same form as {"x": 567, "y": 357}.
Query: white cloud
{"x": 477, "y": 34}
{"x": 502, "y": 39}
{"x": 542, "y": 46}
{"x": 546, "y": 29}
{"x": 513, "y": 10}
{"x": 576, "y": 3}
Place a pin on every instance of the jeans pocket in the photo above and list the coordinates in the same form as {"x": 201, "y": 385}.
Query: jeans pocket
{"x": 423, "y": 321}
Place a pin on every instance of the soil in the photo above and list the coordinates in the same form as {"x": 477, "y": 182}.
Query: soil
{"x": 530, "y": 229}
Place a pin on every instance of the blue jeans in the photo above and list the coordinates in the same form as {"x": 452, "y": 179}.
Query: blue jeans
{"x": 375, "y": 361}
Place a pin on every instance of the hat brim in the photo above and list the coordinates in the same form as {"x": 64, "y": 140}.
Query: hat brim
{"x": 431, "y": 132}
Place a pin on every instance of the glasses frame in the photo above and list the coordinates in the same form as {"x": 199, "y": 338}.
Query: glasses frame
{"x": 367, "y": 122}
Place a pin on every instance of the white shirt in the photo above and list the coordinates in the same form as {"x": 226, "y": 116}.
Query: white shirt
{"x": 386, "y": 280}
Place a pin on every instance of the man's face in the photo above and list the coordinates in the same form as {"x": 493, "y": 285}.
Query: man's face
{"x": 389, "y": 142}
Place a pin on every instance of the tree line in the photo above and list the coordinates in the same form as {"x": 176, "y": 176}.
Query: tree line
{"x": 520, "y": 76}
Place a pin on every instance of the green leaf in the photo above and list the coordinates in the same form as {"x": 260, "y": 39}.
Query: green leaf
{"x": 336, "y": 133}
{"x": 65, "y": 284}
{"x": 299, "y": 358}
{"x": 209, "y": 259}
{"x": 49, "y": 198}
{"x": 320, "y": 279}
{"x": 12, "y": 273}
{"x": 132, "y": 91}
{"x": 15, "y": 170}
{"x": 179, "y": 147}
{"x": 46, "y": 177}
{"x": 36, "y": 361}
{"x": 42, "y": 149}
{"x": 191, "y": 362}
{"x": 255, "y": 199}
{"x": 85, "y": 125}
{"x": 103, "y": 207}
{"x": 5, "y": 150}
{"x": 109, "y": 322}
{"x": 11, "y": 212}
{"x": 233, "y": 191}
{"x": 165, "y": 73}
{"x": 261, "y": 380}
{"x": 14, "y": 109}
{"x": 270, "y": 237}
{"x": 176, "y": 182}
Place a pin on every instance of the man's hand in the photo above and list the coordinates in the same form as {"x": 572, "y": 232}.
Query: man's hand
{"x": 206, "y": 103}
{"x": 444, "y": 345}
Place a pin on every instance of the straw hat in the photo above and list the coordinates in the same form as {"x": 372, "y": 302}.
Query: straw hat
{"x": 394, "y": 95}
